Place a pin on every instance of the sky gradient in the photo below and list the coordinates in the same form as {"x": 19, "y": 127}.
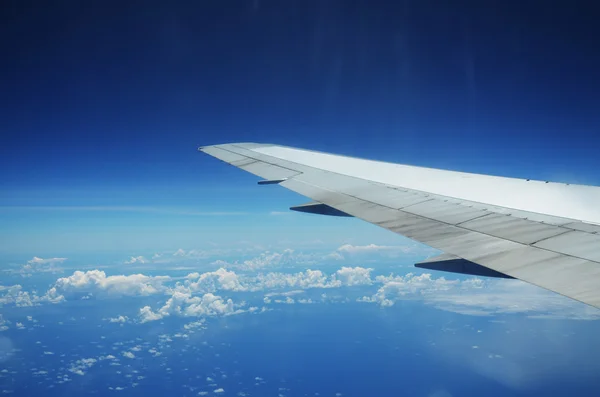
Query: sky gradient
{"x": 105, "y": 103}
{"x": 129, "y": 262}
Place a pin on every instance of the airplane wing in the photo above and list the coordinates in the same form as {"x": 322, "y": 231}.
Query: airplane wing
{"x": 547, "y": 234}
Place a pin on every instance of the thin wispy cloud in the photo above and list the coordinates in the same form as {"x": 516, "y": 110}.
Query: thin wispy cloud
{"x": 139, "y": 209}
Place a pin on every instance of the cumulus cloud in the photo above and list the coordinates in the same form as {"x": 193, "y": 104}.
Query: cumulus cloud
{"x": 228, "y": 280}
{"x": 137, "y": 259}
{"x": 395, "y": 287}
{"x": 186, "y": 305}
{"x": 146, "y": 314}
{"x": 97, "y": 283}
{"x": 303, "y": 280}
{"x": 350, "y": 276}
{"x": 38, "y": 265}
{"x": 119, "y": 319}
{"x": 154, "y": 352}
{"x": 128, "y": 354}
{"x": 287, "y": 301}
{"x": 198, "y": 294}
{"x": 195, "y": 325}
{"x": 80, "y": 366}
{"x": 269, "y": 259}
{"x": 213, "y": 281}
{"x": 345, "y": 277}
{"x": 14, "y": 295}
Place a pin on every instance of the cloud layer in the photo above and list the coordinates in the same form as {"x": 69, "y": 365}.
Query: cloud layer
{"x": 216, "y": 293}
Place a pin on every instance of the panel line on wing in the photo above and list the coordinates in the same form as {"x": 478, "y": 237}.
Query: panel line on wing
{"x": 350, "y": 210}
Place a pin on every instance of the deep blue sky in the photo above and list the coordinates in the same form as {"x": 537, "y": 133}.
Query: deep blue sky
{"x": 105, "y": 102}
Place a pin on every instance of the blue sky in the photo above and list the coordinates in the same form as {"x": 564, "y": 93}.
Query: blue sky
{"x": 105, "y": 105}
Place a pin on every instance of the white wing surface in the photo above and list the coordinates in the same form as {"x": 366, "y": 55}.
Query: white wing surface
{"x": 544, "y": 233}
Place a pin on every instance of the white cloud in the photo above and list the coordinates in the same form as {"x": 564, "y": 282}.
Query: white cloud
{"x": 334, "y": 256}
{"x": 38, "y": 265}
{"x": 268, "y": 259}
{"x": 228, "y": 280}
{"x": 186, "y": 305}
{"x": 304, "y": 280}
{"x": 478, "y": 297}
{"x": 128, "y": 354}
{"x": 509, "y": 297}
{"x": 182, "y": 254}
{"x": 40, "y": 261}
{"x": 351, "y": 276}
{"x": 285, "y": 257}
{"x": 345, "y": 277}
{"x": 200, "y": 324}
{"x": 219, "y": 390}
{"x": 119, "y": 319}
{"x": 213, "y": 281}
{"x": 14, "y": 295}
{"x": 305, "y": 301}
{"x": 137, "y": 259}
{"x": 154, "y": 352}
{"x": 197, "y": 294}
{"x": 146, "y": 314}
{"x": 370, "y": 249}
{"x": 395, "y": 287}
{"x": 78, "y": 367}
{"x": 288, "y": 301}
{"x": 96, "y": 282}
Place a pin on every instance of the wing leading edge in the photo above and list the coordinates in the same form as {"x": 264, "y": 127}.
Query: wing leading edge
{"x": 547, "y": 234}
